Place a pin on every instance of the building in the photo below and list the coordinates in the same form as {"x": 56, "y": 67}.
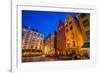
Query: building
{"x": 61, "y": 39}
{"x": 37, "y": 39}
{"x": 50, "y": 43}
{"x": 25, "y": 38}
{"x": 47, "y": 46}
{"x": 32, "y": 43}
{"x": 85, "y": 53}
{"x": 74, "y": 37}
{"x": 69, "y": 36}
{"x": 84, "y": 21}
{"x": 32, "y": 39}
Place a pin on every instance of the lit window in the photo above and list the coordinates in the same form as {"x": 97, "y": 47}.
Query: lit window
{"x": 31, "y": 46}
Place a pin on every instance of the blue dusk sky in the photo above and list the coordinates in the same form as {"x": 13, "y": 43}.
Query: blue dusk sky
{"x": 43, "y": 21}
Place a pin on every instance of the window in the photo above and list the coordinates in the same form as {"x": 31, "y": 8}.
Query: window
{"x": 82, "y": 15}
{"x": 33, "y": 40}
{"x": 23, "y": 34}
{"x": 86, "y": 23}
{"x": 38, "y": 35}
{"x": 36, "y": 47}
{"x": 88, "y": 35}
{"x": 24, "y": 46}
{"x": 73, "y": 43}
{"x": 32, "y": 46}
{"x": 25, "y": 42}
{"x": 34, "y": 34}
{"x": 71, "y": 27}
{"x": 62, "y": 44}
{"x": 66, "y": 30}
{"x": 72, "y": 35}
{"x": 70, "y": 22}
{"x": 27, "y": 35}
{"x": 37, "y": 41}
{"x": 66, "y": 25}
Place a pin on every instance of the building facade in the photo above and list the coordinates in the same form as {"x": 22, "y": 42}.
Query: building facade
{"x": 69, "y": 36}
{"x": 74, "y": 37}
{"x": 50, "y": 43}
{"x": 61, "y": 39}
{"x": 36, "y": 40}
{"x": 84, "y": 21}
{"x": 25, "y": 38}
{"x": 32, "y": 39}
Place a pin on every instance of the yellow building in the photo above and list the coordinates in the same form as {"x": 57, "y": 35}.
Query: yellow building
{"x": 69, "y": 36}
{"x": 84, "y": 21}
{"x": 85, "y": 53}
{"x": 46, "y": 46}
{"x": 74, "y": 37}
